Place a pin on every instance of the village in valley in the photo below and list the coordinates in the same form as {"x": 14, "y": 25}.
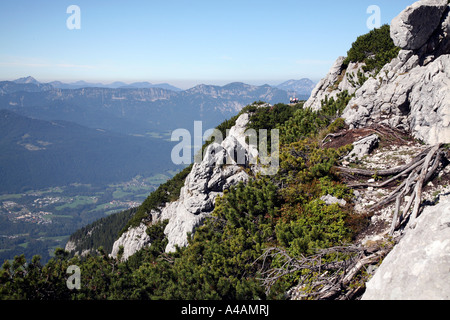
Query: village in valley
{"x": 42, "y": 206}
{"x": 46, "y": 218}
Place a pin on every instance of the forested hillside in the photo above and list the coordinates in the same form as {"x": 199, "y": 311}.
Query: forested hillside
{"x": 221, "y": 261}
{"x": 223, "y": 258}
{"x": 262, "y": 239}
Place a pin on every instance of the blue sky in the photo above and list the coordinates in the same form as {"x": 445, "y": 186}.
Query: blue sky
{"x": 183, "y": 42}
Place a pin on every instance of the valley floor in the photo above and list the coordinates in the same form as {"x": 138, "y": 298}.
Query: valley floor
{"x": 38, "y": 221}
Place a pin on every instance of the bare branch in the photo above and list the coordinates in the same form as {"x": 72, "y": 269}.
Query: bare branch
{"x": 326, "y": 278}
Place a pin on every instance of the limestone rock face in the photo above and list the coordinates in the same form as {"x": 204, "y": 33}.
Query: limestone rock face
{"x": 412, "y": 92}
{"x": 415, "y": 99}
{"x": 223, "y": 166}
{"x": 132, "y": 240}
{"x": 418, "y": 268}
{"x": 412, "y": 28}
{"x": 320, "y": 91}
{"x": 340, "y": 78}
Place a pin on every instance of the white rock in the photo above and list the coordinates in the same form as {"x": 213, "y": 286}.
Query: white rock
{"x": 417, "y": 268}
{"x": 321, "y": 90}
{"x": 132, "y": 240}
{"x": 419, "y": 101}
{"x": 412, "y": 28}
{"x": 363, "y": 147}
{"x": 222, "y": 167}
{"x": 412, "y": 92}
{"x": 329, "y": 200}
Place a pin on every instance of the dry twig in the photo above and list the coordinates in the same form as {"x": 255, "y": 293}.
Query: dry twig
{"x": 414, "y": 174}
{"x": 325, "y": 279}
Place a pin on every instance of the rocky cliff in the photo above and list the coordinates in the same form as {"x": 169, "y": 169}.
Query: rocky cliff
{"x": 340, "y": 78}
{"x": 412, "y": 92}
{"x": 223, "y": 165}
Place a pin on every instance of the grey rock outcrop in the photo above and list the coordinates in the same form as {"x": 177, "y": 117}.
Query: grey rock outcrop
{"x": 223, "y": 166}
{"x": 412, "y": 28}
{"x": 412, "y": 92}
{"x": 340, "y": 78}
{"x": 415, "y": 99}
{"x": 418, "y": 268}
{"x": 363, "y": 147}
{"x": 322, "y": 89}
{"x": 132, "y": 240}
{"x": 70, "y": 246}
{"x": 329, "y": 200}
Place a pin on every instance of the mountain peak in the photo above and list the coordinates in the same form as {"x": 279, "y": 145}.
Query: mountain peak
{"x": 303, "y": 86}
{"x": 28, "y": 79}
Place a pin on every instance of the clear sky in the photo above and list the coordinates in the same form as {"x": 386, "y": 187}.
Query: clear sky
{"x": 183, "y": 42}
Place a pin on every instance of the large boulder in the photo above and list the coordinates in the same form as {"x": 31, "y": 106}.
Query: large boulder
{"x": 363, "y": 147}
{"x": 412, "y": 28}
{"x": 418, "y": 268}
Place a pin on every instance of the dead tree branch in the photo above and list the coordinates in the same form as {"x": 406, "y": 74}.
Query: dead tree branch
{"x": 415, "y": 175}
{"x": 386, "y": 172}
{"x": 325, "y": 279}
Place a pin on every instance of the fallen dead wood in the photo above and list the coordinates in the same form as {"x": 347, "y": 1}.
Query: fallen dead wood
{"x": 411, "y": 178}
{"x": 333, "y": 135}
{"x": 387, "y": 182}
{"x": 320, "y": 278}
{"x": 331, "y": 273}
{"x": 386, "y": 172}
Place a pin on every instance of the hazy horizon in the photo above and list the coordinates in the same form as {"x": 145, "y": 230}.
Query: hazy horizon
{"x": 181, "y": 43}
{"x": 187, "y": 84}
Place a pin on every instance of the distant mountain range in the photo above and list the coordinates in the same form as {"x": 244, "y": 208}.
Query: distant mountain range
{"x": 28, "y": 84}
{"x": 130, "y": 110}
{"x": 114, "y": 85}
{"x": 301, "y": 87}
{"x": 83, "y": 84}
{"x": 91, "y": 129}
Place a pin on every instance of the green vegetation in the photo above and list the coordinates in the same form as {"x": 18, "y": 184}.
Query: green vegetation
{"x": 308, "y": 123}
{"x": 375, "y": 48}
{"x": 222, "y": 258}
{"x": 102, "y": 232}
{"x": 54, "y": 214}
{"x": 78, "y": 201}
